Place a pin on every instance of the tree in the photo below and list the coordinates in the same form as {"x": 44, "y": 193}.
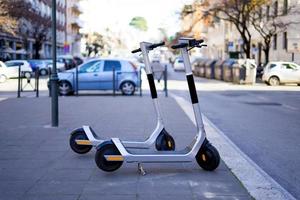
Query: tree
{"x": 270, "y": 23}
{"x": 237, "y": 12}
{"x": 30, "y": 23}
{"x": 139, "y": 23}
{"x": 94, "y": 43}
{"x": 7, "y": 23}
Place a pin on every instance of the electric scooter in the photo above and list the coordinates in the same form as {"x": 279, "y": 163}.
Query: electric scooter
{"x": 111, "y": 154}
{"x": 83, "y": 139}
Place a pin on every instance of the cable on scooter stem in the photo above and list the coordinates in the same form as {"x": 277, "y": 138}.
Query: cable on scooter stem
{"x": 150, "y": 47}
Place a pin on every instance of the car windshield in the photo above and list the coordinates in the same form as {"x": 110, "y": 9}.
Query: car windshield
{"x": 89, "y": 67}
{"x": 36, "y": 61}
{"x": 179, "y": 60}
{"x": 13, "y": 64}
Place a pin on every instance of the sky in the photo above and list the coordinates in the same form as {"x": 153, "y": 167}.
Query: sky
{"x": 117, "y": 14}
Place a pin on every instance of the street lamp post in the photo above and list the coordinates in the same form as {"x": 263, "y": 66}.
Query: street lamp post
{"x": 54, "y": 77}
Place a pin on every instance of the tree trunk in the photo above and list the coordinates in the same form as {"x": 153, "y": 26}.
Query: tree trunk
{"x": 247, "y": 49}
{"x": 266, "y": 52}
{"x": 37, "y": 49}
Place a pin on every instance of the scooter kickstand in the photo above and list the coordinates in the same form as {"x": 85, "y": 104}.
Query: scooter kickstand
{"x": 141, "y": 170}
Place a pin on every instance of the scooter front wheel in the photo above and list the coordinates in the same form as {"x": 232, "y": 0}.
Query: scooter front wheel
{"x": 208, "y": 157}
{"x": 79, "y": 134}
{"x": 107, "y": 148}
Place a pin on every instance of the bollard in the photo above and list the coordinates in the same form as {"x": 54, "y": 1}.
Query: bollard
{"x": 114, "y": 79}
{"x": 77, "y": 82}
{"x": 140, "y": 77}
{"x": 166, "y": 81}
{"x": 37, "y": 77}
{"x": 49, "y": 82}
{"x": 19, "y": 82}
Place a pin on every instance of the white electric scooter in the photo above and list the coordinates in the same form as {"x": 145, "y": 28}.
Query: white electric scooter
{"x": 83, "y": 139}
{"x": 111, "y": 154}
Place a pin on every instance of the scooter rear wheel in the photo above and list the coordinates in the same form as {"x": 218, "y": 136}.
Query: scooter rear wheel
{"x": 79, "y": 134}
{"x": 208, "y": 157}
{"x": 107, "y": 148}
{"x": 165, "y": 142}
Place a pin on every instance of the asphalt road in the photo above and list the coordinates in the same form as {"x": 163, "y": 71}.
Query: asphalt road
{"x": 264, "y": 124}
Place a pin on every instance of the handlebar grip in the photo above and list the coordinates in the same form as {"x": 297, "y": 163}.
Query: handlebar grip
{"x": 136, "y": 50}
{"x": 177, "y": 46}
{"x": 156, "y": 45}
{"x": 200, "y": 41}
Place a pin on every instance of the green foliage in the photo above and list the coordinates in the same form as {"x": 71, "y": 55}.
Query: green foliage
{"x": 139, "y": 23}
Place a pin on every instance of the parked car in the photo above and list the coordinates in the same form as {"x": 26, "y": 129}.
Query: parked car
{"x": 12, "y": 68}
{"x": 41, "y": 65}
{"x": 78, "y": 60}
{"x": 178, "y": 64}
{"x": 68, "y": 60}
{"x": 60, "y": 66}
{"x": 97, "y": 74}
{"x": 276, "y": 73}
{"x": 3, "y": 72}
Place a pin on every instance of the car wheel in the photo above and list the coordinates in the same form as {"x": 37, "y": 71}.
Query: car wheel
{"x": 65, "y": 88}
{"x": 27, "y": 75}
{"x": 127, "y": 88}
{"x": 3, "y": 78}
{"x": 43, "y": 72}
{"x": 298, "y": 84}
{"x": 274, "y": 81}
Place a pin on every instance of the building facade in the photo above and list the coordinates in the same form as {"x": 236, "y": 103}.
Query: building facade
{"x": 224, "y": 40}
{"x": 23, "y": 46}
{"x": 73, "y": 37}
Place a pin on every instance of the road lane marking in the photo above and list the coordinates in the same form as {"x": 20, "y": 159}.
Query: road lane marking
{"x": 259, "y": 184}
{"x": 2, "y": 99}
{"x": 289, "y": 107}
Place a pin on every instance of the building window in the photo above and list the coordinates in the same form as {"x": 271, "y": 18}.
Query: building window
{"x": 268, "y": 12}
{"x": 285, "y": 41}
{"x": 275, "y": 42}
{"x": 285, "y": 7}
{"x": 275, "y": 8}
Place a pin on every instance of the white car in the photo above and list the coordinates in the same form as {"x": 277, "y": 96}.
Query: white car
{"x": 178, "y": 64}
{"x": 11, "y": 68}
{"x": 276, "y": 73}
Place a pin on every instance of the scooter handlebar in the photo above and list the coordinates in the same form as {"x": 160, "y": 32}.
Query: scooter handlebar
{"x": 178, "y": 46}
{"x": 149, "y": 47}
{"x": 136, "y": 50}
{"x": 156, "y": 45}
{"x": 192, "y": 43}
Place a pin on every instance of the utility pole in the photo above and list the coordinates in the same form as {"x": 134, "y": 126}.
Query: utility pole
{"x": 54, "y": 77}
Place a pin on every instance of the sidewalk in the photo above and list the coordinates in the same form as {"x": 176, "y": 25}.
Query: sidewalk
{"x": 37, "y": 163}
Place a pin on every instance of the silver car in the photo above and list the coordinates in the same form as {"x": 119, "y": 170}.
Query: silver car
{"x": 97, "y": 74}
{"x": 276, "y": 73}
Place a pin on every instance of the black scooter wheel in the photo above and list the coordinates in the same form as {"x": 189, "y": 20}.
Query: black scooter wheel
{"x": 165, "y": 142}
{"x": 208, "y": 157}
{"x": 79, "y": 134}
{"x": 107, "y": 148}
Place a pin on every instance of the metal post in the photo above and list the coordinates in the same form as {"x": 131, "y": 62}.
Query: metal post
{"x": 54, "y": 77}
{"x": 140, "y": 77}
{"x": 293, "y": 57}
{"x": 19, "y": 82}
{"x": 77, "y": 82}
{"x": 49, "y": 89}
{"x": 37, "y": 77}
{"x": 166, "y": 80}
{"x": 114, "y": 80}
